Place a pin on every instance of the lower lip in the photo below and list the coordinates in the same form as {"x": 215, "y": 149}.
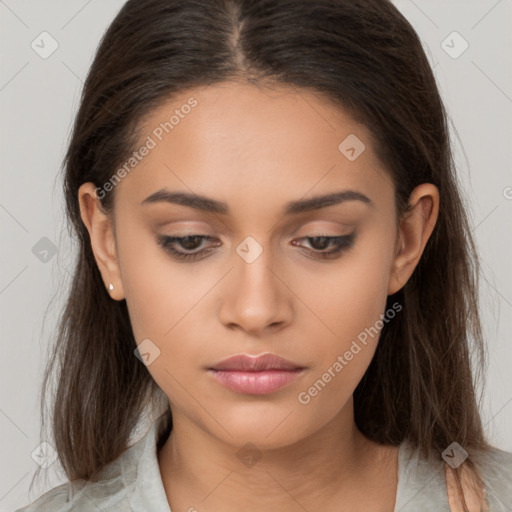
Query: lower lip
{"x": 255, "y": 383}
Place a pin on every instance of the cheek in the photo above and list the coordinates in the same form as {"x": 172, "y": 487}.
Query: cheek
{"x": 348, "y": 303}
{"x": 162, "y": 298}
{"x": 159, "y": 292}
{"x": 348, "y": 295}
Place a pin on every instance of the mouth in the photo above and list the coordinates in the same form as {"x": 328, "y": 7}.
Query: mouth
{"x": 255, "y": 375}
{"x": 250, "y": 363}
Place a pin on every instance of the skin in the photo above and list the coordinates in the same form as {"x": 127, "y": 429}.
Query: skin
{"x": 257, "y": 149}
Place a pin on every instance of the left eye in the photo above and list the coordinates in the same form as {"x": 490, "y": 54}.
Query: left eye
{"x": 320, "y": 243}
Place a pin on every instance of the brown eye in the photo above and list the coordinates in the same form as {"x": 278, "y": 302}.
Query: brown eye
{"x": 188, "y": 243}
{"x": 320, "y": 243}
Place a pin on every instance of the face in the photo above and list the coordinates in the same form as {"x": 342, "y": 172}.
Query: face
{"x": 265, "y": 269}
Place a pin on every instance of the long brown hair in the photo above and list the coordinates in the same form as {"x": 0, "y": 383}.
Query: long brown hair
{"x": 365, "y": 57}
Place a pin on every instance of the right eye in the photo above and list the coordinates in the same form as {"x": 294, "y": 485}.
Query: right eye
{"x": 188, "y": 243}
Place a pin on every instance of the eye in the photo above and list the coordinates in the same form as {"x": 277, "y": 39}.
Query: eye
{"x": 188, "y": 242}
{"x": 320, "y": 242}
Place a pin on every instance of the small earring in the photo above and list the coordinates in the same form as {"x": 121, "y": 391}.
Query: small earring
{"x": 110, "y": 286}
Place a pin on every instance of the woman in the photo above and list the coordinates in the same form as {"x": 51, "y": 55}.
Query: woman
{"x": 275, "y": 263}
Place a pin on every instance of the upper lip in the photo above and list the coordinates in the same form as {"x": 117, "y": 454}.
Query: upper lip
{"x": 248, "y": 363}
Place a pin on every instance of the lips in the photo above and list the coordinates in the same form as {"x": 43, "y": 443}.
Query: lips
{"x": 261, "y": 363}
{"x": 255, "y": 375}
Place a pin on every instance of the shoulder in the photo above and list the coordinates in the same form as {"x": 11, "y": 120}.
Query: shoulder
{"x": 116, "y": 485}
{"x": 107, "y": 495}
{"x": 500, "y": 458}
{"x": 429, "y": 484}
{"x": 496, "y": 470}
{"x": 52, "y": 501}
{"x": 109, "y": 491}
{"x": 421, "y": 484}
{"x": 494, "y": 490}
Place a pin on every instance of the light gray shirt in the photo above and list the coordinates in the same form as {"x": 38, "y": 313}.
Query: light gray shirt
{"x": 133, "y": 483}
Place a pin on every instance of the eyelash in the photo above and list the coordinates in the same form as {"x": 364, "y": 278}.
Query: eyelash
{"x": 343, "y": 243}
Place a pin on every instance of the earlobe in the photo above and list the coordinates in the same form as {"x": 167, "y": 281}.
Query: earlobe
{"x": 103, "y": 244}
{"x": 416, "y": 226}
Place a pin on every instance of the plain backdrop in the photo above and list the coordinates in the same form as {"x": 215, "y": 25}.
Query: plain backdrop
{"x": 469, "y": 46}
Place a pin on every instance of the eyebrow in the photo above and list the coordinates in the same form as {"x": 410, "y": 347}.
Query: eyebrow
{"x": 292, "y": 208}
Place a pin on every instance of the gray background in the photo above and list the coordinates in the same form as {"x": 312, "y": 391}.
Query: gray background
{"x": 38, "y": 98}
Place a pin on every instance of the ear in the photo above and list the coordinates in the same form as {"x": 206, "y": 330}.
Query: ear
{"x": 416, "y": 226}
{"x": 102, "y": 236}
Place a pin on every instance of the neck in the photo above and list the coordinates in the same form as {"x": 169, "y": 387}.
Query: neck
{"x": 203, "y": 472}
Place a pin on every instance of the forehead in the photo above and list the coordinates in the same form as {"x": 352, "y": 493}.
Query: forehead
{"x": 234, "y": 139}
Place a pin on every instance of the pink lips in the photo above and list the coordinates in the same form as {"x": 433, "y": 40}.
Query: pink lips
{"x": 255, "y": 375}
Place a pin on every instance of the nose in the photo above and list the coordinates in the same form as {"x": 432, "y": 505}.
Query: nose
{"x": 255, "y": 298}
